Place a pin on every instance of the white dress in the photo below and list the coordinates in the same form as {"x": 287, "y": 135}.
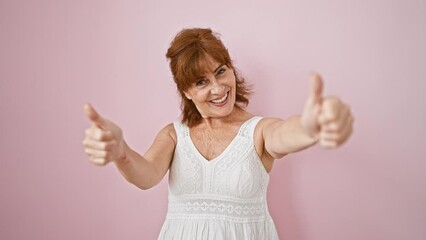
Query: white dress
{"x": 220, "y": 199}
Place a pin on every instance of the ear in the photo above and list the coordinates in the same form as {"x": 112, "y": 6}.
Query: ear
{"x": 187, "y": 95}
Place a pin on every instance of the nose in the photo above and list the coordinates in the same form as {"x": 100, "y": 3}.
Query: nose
{"x": 217, "y": 87}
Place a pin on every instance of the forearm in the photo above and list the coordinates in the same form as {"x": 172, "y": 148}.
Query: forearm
{"x": 289, "y": 136}
{"x": 137, "y": 170}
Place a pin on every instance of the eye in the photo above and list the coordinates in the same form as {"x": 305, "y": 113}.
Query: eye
{"x": 200, "y": 82}
{"x": 221, "y": 71}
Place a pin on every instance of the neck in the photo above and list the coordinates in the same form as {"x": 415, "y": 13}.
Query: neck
{"x": 236, "y": 115}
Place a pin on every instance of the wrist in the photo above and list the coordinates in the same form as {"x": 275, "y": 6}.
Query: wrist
{"x": 124, "y": 156}
{"x": 312, "y": 133}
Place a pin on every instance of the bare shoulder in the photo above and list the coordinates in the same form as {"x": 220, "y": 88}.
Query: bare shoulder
{"x": 263, "y": 126}
{"x": 264, "y": 123}
{"x": 168, "y": 132}
{"x": 160, "y": 153}
{"x": 259, "y": 141}
{"x": 161, "y": 150}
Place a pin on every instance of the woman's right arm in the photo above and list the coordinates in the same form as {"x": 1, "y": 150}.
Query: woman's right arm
{"x": 147, "y": 171}
{"x": 104, "y": 143}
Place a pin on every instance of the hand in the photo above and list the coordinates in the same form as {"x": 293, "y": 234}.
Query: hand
{"x": 103, "y": 141}
{"x": 327, "y": 119}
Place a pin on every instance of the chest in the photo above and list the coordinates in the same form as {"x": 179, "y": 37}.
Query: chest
{"x": 211, "y": 143}
{"x": 220, "y": 163}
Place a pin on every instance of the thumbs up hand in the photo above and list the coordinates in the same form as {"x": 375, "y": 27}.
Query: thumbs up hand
{"x": 103, "y": 140}
{"x": 326, "y": 119}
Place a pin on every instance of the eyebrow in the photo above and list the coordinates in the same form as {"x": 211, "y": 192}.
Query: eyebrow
{"x": 202, "y": 76}
{"x": 218, "y": 68}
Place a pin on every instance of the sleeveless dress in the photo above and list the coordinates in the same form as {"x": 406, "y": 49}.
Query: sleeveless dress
{"x": 220, "y": 199}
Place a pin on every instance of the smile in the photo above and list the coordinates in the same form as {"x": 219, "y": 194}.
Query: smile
{"x": 221, "y": 100}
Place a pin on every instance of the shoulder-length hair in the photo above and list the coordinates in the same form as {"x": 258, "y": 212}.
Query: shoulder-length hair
{"x": 188, "y": 57}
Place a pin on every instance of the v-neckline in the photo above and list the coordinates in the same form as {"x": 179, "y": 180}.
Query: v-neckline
{"x": 224, "y": 151}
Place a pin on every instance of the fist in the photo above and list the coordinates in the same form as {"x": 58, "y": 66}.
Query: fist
{"x": 327, "y": 119}
{"x": 103, "y": 141}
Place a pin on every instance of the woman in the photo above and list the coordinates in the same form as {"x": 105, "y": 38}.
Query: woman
{"x": 219, "y": 155}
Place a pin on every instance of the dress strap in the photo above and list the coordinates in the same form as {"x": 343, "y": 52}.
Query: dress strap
{"x": 181, "y": 130}
{"x": 247, "y": 129}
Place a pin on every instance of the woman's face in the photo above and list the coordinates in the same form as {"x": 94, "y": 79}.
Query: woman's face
{"x": 214, "y": 93}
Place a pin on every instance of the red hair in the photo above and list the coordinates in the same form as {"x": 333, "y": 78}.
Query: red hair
{"x": 188, "y": 56}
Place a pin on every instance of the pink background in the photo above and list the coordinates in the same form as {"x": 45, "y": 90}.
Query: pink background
{"x": 57, "y": 55}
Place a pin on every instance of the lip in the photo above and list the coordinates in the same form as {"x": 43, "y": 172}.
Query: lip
{"x": 222, "y": 103}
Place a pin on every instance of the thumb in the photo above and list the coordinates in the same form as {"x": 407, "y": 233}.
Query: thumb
{"x": 315, "y": 95}
{"x": 313, "y": 106}
{"x": 94, "y": 116}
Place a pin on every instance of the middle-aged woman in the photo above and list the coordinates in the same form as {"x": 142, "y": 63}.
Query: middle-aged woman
{"x": 219, "y": 155}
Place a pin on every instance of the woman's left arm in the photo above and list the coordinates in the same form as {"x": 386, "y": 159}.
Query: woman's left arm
{"x": 326, "y": 120}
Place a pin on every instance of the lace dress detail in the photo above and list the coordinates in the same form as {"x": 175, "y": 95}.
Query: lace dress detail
{"x": 224, "y": 198}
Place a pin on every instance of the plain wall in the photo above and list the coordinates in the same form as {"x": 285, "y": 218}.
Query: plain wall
{"x": 57, "y": 55}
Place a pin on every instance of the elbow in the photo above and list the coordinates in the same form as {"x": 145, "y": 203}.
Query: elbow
{"x": 144, "y": 187}
{"x": 143, "y": 184}
{"x": 145, "y": 179}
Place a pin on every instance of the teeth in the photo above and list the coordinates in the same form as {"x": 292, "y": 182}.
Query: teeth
{"x": 220, "y": 100}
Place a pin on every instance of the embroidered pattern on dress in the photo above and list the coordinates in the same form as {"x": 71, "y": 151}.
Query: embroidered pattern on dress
{"x": 213, "y": 206}
{"x": 231, "y": 187}
{"x": 185, "y": 176}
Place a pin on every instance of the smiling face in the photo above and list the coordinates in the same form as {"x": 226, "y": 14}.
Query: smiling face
{"x": 214, "y": 92}
{"x": 196, "y": 57}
